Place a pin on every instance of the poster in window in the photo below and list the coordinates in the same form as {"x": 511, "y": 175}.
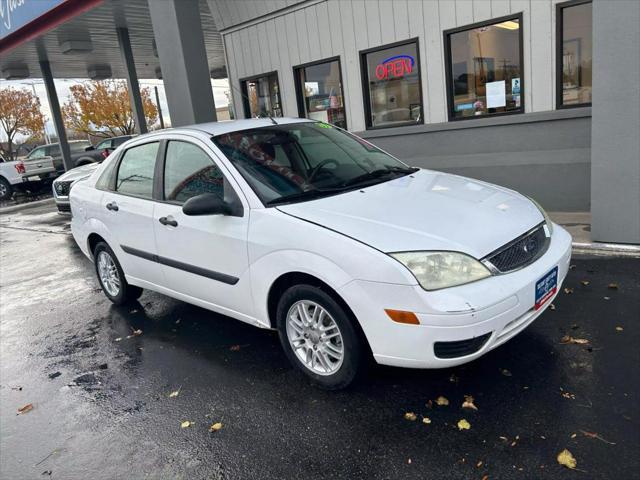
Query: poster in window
{"x": 496, "y": 94}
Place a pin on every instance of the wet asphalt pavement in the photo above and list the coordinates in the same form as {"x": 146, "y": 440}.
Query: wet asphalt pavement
{"x": 101, "y": 405}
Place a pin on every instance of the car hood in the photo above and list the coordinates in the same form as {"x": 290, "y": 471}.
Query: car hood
{"x": 425, "y": 211}
{"x": 78, "y": 172}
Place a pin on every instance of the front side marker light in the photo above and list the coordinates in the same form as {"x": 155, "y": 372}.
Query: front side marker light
{"x": 400, "y": 316}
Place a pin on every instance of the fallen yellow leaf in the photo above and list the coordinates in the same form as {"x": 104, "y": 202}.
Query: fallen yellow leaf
{"x": 552, "y": 307}
{"x": 619, "y": 329}
{"x": 566, "y": 459}
{"x": 505, "y": 372}
{"x": 410, "y": 416}
{"x": 578, "y": 341}
{"x": 468, "y": 403}
{"x": 613, "y": 286}
{"x": 174, "y": 394}
{"x": 568, "y": 290}
{"x": 585, "y": 282}
{"x": 186, "y": 424}
{"x": 463, "y": 425}
{"x": 426, "y": 420}
{"x": 137, "y": 332}
{"x": 27, "y": 408}
{"x": 442, "y": 401}
{"x": 215, "y": 427}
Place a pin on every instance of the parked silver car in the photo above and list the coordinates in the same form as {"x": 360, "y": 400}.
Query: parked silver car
{"x": 62, "y": 185}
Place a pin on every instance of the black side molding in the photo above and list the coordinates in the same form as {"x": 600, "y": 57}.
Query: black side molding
{"x": 203, "y": 272}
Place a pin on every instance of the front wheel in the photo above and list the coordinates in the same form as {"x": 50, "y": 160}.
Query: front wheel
{"x": 319, "y": 337}
{"x": 111, "y": 276}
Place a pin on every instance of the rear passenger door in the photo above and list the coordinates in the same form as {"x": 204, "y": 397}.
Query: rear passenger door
{"x": 127, "y": 211}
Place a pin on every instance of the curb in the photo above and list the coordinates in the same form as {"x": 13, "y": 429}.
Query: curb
{"x": 612, "y": 249}
{"x": 26, "y": 205}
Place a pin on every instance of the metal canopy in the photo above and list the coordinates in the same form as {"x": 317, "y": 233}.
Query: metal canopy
{"x": 96, "y": 30}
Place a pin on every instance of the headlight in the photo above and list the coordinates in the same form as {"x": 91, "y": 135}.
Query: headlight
{"x": 547, "y": 219}
{"x": 436, "y": 270}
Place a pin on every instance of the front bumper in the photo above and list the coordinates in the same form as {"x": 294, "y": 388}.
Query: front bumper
{"x": 498, "y": 307}
{"x": 63, "y": 205}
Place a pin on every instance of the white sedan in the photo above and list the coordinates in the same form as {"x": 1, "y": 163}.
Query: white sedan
{"x": 302, "y": 227}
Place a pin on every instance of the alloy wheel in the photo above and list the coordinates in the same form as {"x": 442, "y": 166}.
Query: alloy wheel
{"x": 108, "y": 272}
{"x": 315, "y": 337}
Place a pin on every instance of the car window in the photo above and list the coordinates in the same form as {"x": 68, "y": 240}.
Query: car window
{"x": 189, "y": 171}
{"x": 119, "y": 141}
{"x": 104, "y": 144}
{"x": 135, "y": 173}
{"x": 36, "y": 153}
{"x": 75, "y": 147}
{"x": 53, "y": 150}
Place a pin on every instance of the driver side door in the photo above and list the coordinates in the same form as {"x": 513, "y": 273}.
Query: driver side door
{"x": 203, "y": 257}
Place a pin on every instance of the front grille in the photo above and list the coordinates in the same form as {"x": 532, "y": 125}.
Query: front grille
{"x": 460, "y": 348}
{"x": 520, "y": 252}
{"x": 62, "y": 188}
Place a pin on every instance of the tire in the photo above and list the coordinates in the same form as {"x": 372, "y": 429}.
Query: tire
{"x": 113, "y": 283}
{"x": 317, "y": 353}
{"x": 6, "y": 190}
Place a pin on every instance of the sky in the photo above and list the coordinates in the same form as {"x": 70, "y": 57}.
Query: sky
{"x": 63, "y": 86}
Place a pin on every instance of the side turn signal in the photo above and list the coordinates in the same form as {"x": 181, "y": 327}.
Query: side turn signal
{"x": 401, "y": 316}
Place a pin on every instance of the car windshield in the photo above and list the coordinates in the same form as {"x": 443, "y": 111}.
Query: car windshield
{"x": 302, "y": 161}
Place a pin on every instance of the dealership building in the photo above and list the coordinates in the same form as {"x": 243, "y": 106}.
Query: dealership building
{"x": 541, "y": 96}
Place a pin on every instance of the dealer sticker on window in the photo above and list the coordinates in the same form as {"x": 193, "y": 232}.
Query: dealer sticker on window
{"x": 546, "y": 288}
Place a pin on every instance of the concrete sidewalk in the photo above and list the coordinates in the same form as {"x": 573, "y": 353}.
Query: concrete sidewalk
{"x": 578, "y": 224}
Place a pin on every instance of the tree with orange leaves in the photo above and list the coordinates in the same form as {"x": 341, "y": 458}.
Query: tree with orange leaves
{"x": 19, "y": 114}
{"x": 102, "y": 109}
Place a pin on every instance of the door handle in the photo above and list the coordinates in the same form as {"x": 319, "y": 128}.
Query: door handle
{"x": 168, "y": 221}
{"x": 112, "y": 206}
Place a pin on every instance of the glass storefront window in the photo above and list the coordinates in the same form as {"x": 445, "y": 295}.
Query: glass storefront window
{"x": 484, "y": 69}
{"x": 573, "y": 65}
{"x": 392, "y": 89}
{"x": 319, "y": 89}
{"x": 262, "y": 96}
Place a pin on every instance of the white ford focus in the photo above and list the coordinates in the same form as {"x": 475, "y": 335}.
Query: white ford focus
{"x": 300, "y": 226}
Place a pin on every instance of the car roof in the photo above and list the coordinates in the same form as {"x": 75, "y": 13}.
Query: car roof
{"x": 219, "y": 128}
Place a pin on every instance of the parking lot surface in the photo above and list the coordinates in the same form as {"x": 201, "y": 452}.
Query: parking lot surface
{"x": 103, "y": 380}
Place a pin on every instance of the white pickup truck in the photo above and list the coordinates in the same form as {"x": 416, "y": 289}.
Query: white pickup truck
{"x": 24, "y": 175}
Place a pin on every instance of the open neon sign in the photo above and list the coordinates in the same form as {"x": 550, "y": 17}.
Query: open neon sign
{"x": 395, "y": 67}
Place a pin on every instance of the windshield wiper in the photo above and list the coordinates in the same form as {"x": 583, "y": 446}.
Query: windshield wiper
{"x": 378, "y": 173}
{"x": 308, "y": 195}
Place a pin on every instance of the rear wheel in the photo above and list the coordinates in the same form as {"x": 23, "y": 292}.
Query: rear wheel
{"x": 319, "y": 338}
{"x": 5, "y": 189}
{"x": 111, "y": 276}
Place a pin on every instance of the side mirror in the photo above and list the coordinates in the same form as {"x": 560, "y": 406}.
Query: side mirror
{"x": 206, "y": 204}
{"x": 89, "y": 148}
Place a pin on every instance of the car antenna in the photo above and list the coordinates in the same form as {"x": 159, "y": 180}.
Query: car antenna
{"x": 243, "y": 95}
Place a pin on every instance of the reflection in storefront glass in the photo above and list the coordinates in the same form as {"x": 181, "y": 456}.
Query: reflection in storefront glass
{"x": 262, "y": 97}
{"x": 486, "y": 70}
{"x": 321, "y": 91}
{"x": 576, "y": 54}
{"x": 393, "y": 78}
